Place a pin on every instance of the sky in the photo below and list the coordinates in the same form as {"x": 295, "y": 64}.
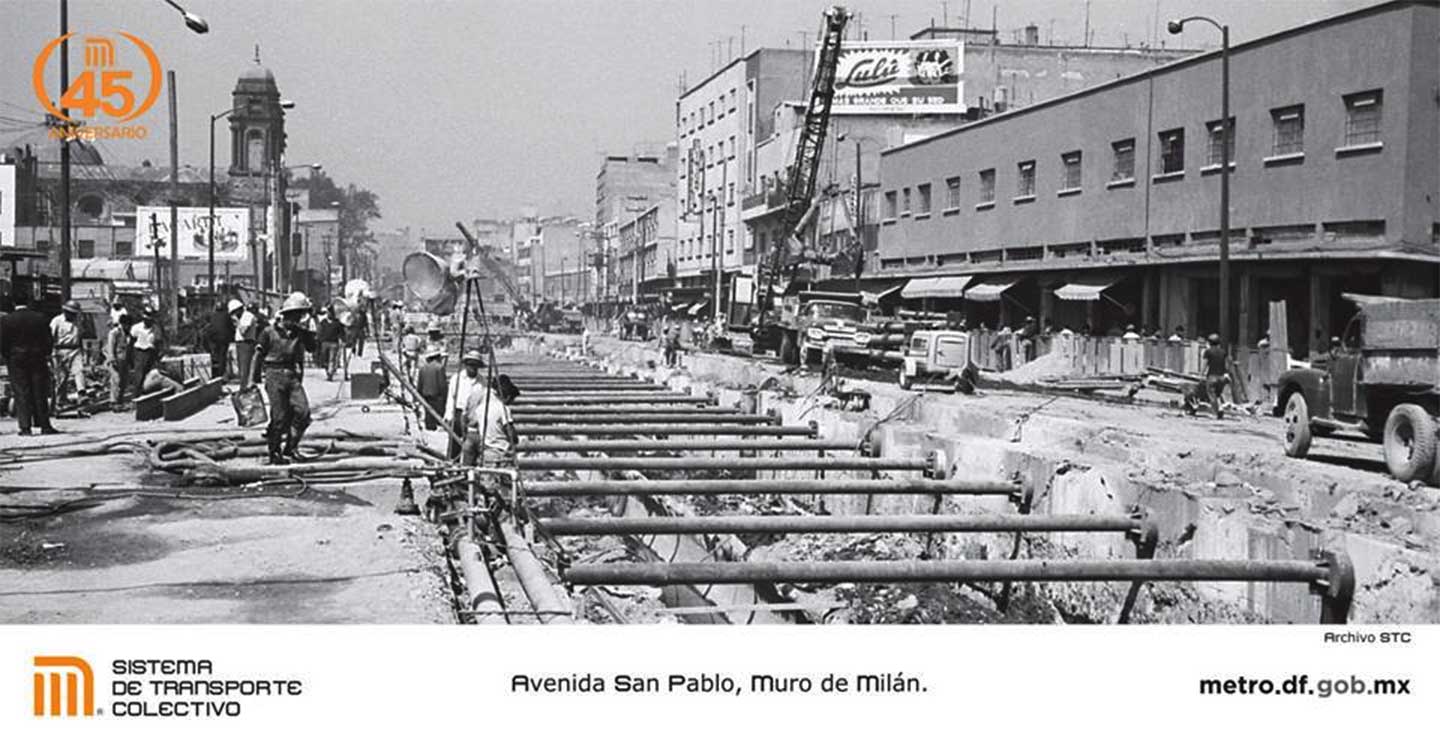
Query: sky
{"x": 458, "y": 109}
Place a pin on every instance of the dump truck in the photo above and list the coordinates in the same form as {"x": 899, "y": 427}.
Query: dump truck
{"x": 1382, "y": 381}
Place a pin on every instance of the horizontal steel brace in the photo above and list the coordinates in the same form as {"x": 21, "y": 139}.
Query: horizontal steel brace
{"x": 718, "y": 444}
{"x": 650, "y": 428}
{"x": 697, "y": 463}
{"x": 752, "y": 487}
{"x": 834, "y": 524}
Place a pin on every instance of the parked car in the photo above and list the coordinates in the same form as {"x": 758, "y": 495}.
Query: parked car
{"x": 939, "y": 356}
{"x": 1383, "y": 381}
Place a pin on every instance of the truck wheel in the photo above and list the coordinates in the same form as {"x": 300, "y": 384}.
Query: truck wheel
{"x": 904, "y": 380}
{"x": 1410, "y": 443}
{"x": 1297, "y": 426}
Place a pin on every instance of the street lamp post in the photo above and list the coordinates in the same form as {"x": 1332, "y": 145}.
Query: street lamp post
{"x": 1175, "y": 27}
{"x": 859, "y": 203}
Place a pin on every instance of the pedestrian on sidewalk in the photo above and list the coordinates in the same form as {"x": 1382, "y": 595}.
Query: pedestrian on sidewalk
{"x": 359, "y": 327}
{"x": 26, "y": 346}
{"x": 433, "y": 386}
{"x": 219, "y": 332}
{"x": 68, "y": 358}
{"x": 1217, "y": 371}
{"x": 280, "y": 354}
{"x": 458, "y": 395}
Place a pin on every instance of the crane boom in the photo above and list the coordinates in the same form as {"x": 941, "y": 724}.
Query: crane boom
{"x": 800, "y": 189}
{"x": 496, "y": 270}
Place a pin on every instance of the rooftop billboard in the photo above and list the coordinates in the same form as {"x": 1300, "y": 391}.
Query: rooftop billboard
{"x": 917, "y": 77}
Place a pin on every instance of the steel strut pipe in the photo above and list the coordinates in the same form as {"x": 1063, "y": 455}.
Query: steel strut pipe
{"x": 605, "y": 398}
{"x": 554, "y": 418}
{"x": 701, "y": 463}
{"x": 833, "y": 524}
{"x": 717, "y": 444}
{"x": 581, "y": 386}
{"x": 564, "y": 410}
{"x": 651, "y": 428}
{"x": 481, "y": 599}
{"x": 538, "y": 589}
{"x": 752, "y": 487}
{"x": 944, "y": 571}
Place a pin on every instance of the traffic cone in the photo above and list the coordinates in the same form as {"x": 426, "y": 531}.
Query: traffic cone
{"x": 407, "y": 506}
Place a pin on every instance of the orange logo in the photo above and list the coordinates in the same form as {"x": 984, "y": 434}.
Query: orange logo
{"x": 64, "y": 686}
{"x": 103, "y": 87}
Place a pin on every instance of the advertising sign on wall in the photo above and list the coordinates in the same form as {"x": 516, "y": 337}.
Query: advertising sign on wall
{"x": 920, "y": 77}
{"x": 232, "y": 232}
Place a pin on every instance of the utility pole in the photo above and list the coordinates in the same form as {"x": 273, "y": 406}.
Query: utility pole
{"x": 174, "y": 276}
{"x": 720, "y": 236}
{"x": 155, "y": 243}
{"x": 893, "y": 16}
{"x": 65, "y": 159}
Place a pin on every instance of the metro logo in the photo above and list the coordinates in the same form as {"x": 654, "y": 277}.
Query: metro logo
{"x": 75, "y": 693}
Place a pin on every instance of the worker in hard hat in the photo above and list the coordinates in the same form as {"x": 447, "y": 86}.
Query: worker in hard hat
{"x": 280, "y": 358}
{"x": 458, "y": 395}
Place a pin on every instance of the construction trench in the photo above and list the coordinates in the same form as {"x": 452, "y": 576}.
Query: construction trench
{"x": 643, "y": 494}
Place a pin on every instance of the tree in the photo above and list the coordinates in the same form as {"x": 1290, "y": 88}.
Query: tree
{"x": 357, "y": 206}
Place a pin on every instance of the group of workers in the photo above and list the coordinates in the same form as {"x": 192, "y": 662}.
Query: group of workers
{"x": 47, "y": 367}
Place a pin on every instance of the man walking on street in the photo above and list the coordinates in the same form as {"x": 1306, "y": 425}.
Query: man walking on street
{"x": 247, "y": 329}
{"x": 220, "y": 331}
{"x": 329, "y": 334}
{"x": 432, "y": 385}
{"x": 69, "y": 360}
{"x": 280, "y": 356}
{"x": 1217, "y": 372}
{"x": 26, "y": 345}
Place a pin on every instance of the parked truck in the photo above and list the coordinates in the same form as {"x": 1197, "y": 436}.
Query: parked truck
{"x": 1381, "y": 381}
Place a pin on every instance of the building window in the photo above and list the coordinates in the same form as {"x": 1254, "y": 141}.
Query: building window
{"x": 1123, "y": 153}
{"x": 1362, "y": 118}
{"x": 85, "y": 249}
{"x": 890, "y": 204}
{"x": 731, "y": 199}
{"x": 1217, "y": 142}
{"x": 729, "y": 241}
{"x": 124, "y": 249}
{"x": 905, "y": 202}
{"x": 924, "y": 191}
{"x": 732, "y": 147}
{"x": 1172, "y": 151}
{"x": 1072, "y": 170}
{"x": 1289, "y": 125}
{"x": 721, "y": 114}
{"x": 952, "y": 192}
{"x": 733, "y": 99}
{"x": 987, "y": 186}
{"x": 712, "y": 112}
{"x": 1025, "y": 184}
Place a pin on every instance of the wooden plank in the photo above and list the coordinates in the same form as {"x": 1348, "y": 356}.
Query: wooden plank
{"x": 1279, "y": 326}
{"x": 148, "y": 407}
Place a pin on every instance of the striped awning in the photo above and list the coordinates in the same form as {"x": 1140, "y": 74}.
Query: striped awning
{"x": 990, "y": 291}
{"x": 1086, "y": 290}
{"x": 930, "y": 287}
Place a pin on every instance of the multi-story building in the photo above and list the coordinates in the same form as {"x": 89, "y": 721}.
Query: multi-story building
{"x": 647, "y": 250}
{"x": 1101, "y": 207}
{"x": 718, "y": 122}
{"x": 626, "y": 187}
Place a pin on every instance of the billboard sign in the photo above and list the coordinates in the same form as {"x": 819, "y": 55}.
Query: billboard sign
{"x": 912, "y": 78}
{"x": 232, "y": 232}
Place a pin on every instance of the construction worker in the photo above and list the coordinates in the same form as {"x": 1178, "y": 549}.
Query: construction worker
{"x": 330, "y": 335}
{"x": 411, "y": 345}
{"x": 117, "y": 352}
{"x": 489, "y": 429}
{"x": 280, "y": 356}
{"x": 26, "y": 345}
{"x": 68, "y": 360}
{"x": 247, "y": 329}
{"x": 458, "y": 395}
{"x": 432, "y": 384}
{"x": 1217, "y": 371}
{"x": 219, "y": 332}
{"x": 144, "y": 349}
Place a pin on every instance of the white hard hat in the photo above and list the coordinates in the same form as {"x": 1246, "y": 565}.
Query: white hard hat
{"x": 234, "y": 305}
{"x": 296, "y": 301}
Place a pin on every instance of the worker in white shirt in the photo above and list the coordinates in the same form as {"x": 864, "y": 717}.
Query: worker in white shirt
{"x": 489, "y": 428}
{"x": 246, "y": 330}
{"x": 458, "y": 395}
{"x": 68, "y": 361}
{"x": 145, "y": 349}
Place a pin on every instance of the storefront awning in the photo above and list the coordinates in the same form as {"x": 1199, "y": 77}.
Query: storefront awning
{"x": 1086, "y": 290}
{"x": 951, "y": 287}
{"x": 990, "y": 291}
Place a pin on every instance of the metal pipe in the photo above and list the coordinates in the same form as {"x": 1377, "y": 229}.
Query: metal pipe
{"x": 698, "y": 463}
{"x": 832, "y": 524}
{"x": 481, "y": 599}
{"x": 538, "y": 589}
{"x": 650, "y": 428}
{"x": 549, "y": 409}
{"x": 943, "y": 571}
{"x": 719, "y": 444}
{"x": 752, "y": 487}
{"x": 582, "y": 386}
{"x": 554, "y": 418}
{"x": 600, "y": 396}
{"x": 594, "y": 398}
